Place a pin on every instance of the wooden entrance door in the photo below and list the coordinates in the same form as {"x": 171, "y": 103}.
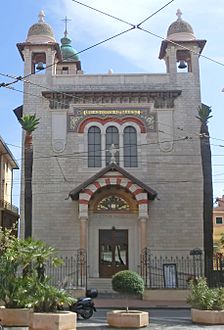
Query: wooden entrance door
{"x": 113, "y": 250}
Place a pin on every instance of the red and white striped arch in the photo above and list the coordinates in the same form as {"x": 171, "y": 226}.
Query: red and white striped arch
{"x": 136, "y": 190}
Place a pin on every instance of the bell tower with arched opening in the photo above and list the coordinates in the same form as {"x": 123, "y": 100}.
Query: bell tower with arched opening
{"x": 181, "y": 50}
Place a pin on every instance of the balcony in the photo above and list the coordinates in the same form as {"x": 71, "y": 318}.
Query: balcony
{"x": 8, "y": 206}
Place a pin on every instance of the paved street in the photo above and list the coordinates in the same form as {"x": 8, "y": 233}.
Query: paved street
{"x": 177, "y": 319}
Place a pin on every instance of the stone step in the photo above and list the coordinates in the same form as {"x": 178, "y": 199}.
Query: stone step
{"x": 101, "y": 284}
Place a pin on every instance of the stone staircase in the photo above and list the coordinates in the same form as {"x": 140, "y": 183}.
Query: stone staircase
{"x": 103, "y": 285}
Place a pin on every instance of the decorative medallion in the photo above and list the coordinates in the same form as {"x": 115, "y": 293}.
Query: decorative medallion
{"x": 113, "y": 203}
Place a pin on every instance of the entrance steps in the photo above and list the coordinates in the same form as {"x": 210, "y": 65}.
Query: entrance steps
{"x": 103, "y": 285}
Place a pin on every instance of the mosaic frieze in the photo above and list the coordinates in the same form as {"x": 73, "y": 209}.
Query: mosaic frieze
{"x": 79, "y": 115}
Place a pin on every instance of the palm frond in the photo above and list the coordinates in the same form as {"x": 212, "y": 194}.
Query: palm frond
{"x": 204, "y": 114}
{"x": 29, "y": 123}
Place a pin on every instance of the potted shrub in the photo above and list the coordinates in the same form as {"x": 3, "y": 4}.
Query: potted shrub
{"x": 23, "y": 283}
{"x": 46, "y": 301}
{"x": 13, "y": 285}
{"x": 207, "y": 304}
{"x": 129, "y": 283}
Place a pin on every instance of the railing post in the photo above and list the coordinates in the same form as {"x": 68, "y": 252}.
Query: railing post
{"x": 145, "y": 266}
{"x": 197, "y": 258}
{"x": 81, "y": 268}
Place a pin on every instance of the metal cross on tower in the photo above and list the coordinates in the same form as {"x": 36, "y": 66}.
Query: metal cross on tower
{"x": 66, "y": 19}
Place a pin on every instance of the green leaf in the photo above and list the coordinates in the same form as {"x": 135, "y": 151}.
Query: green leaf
{"x": 204, "y": 114}
{"x": 29, "y": 123}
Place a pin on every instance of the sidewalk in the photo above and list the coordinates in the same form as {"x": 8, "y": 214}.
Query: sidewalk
{"x": 137, "y": 303}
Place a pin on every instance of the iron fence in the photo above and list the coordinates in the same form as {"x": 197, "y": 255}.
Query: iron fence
{"x": 218, "y": 270}
{"x": 162, "y": 271}
{"x": 72, "y": 273}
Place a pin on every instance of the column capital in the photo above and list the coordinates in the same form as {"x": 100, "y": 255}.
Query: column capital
{"x": 143, "y": 218}
{"x": 82, "y": 218}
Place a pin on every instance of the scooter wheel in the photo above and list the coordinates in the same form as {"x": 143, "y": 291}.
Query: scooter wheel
{"x": 87, "y": 313}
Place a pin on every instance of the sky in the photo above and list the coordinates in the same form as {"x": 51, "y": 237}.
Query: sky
{"x": 135, "y": 51}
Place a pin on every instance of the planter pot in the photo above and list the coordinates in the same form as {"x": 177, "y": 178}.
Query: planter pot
{"x": 14, "y": 316}
{"x": 62, "y": 320}
{"x": 207, "y": 316}
{"x": 132, "y": 319}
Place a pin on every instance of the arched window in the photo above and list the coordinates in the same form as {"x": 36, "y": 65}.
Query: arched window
{"x": 112, "y": 142}
{"x": 94, "y": 147}
{"x": 130, "y": 147}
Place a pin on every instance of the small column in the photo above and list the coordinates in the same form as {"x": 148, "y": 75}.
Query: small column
{"x": 171, "y": 61}
{"x": 50, "y": 62}
{"x": 143, "y": 233}
{"x": 83, "y": 233}
{"x": 27, "y": 62}
{"x": 121, "y": 150}
{"x": 103, "y": 151}
{"x": 195, "y": 62}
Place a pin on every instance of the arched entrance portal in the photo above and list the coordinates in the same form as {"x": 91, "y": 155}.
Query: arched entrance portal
{"x": 113, "y": 213}
{"x": 113, "y": 219}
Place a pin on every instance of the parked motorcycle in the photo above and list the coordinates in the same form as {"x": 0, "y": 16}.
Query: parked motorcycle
{"x": 85, "y": 305}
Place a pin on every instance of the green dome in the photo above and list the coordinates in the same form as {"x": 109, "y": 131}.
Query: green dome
{"x": 68, "y": 52}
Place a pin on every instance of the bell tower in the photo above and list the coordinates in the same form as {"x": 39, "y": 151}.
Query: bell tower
{"x": 181, "y": 50}
{"x": 40, "y": 52}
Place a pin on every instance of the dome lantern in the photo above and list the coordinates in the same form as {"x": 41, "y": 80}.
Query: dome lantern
{"x": 41, "y": 32}
{"x": 180, "y": 30}
{"x": 180, "y": 49}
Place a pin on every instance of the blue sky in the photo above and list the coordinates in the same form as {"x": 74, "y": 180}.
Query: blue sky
{"x": 132, "y": 52}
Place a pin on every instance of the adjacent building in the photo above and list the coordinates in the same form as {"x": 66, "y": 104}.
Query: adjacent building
{"x": 117, "y": 164}
{"x": 218, "y": 220}
{"x": 9, "y": 213}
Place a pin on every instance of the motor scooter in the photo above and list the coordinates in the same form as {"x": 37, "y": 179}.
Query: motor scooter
{"x": 85, "y": 306}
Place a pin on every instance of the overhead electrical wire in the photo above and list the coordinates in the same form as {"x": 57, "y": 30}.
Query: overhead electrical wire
{"x": 133, "y": 26}
{"x": 104, "y": 13}
{"x": 20, "y": 78}
{"x": 63, "y": 93}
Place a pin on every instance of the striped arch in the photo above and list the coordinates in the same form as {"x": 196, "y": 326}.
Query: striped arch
{"x": 134, "y": 189}
{"x": 111, "y": 120}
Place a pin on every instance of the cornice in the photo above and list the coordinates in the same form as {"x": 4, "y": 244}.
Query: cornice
{"x": 63, "y": 99}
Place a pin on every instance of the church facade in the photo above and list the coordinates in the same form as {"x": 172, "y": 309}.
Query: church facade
{"x": 117, "y": 163}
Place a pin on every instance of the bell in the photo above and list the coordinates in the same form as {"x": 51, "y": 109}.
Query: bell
{"x": 182, "y": 64}
{"x": 40, "y": 66}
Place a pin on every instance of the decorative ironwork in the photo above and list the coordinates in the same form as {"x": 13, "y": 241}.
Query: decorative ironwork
{"x": 72, "y": 273}
{"x": 113, "y": 203}
{"x": 218, "y": 273}
{"x": 152, "y": 269}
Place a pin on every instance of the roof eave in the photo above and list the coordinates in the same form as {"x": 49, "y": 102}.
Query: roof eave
{"x": 9, "y": 154}
{"x": 165, "y": 42}
{"x": 74, "y": 194}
